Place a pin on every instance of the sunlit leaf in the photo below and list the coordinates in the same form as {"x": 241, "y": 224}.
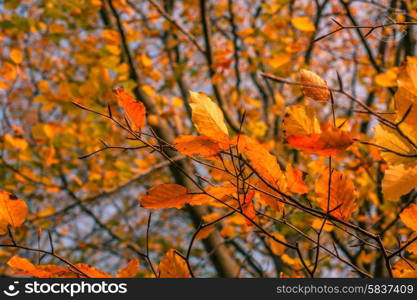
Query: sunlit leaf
{"x": 166, "y": 196}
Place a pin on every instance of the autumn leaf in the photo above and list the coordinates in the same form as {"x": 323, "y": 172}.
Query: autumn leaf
{"x": 400, "y": 147}
{"x": 13, "y": 211}
{"x": 406, "y": 95}
{"x": 342, "y": 201}
{"x": 387, "y": 79}
{"x": 166, "y": 196}
{"x": 130, "y": 270}
{"x": 135, "y": 110}
{"x": 331, "y": 141}
{"x": 303, "y": 24}
{"x": 205, "y": 232}
{"x": 211, "y": 194}
{"x": 246, "y": 201}
{"x": 315, "y": 93}
{"x": 270, "y": 197}
{"x": 399, "y": 180}
{"x": 191, "y": 145}
{"x": 261, "y": 160}
{"x": 173, "y": 266}
{"x": 409, "y": 216}
{"x": 404, "y": 269}
{"x": 300, "y": 120}
{"x": 25, "y": 267}
{"x": 16, "y": 55}
{"x": 295, "y": 182}
{"x": 92, "y": 272}
{"x": 208, "y": 118}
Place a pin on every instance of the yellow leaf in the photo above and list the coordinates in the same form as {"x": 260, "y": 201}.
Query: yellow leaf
{"x": 16, "y": 142}
{"x": 342, "y": 195}
{"x": 208, "y": 117}
{"x": 173, "y": 266}
{"x": 406, "y": 94}
{"x": 13, "y": 211}
{"x": 166, "y": 196}
{"x": 318, "y": 223}
{"x": 409, "y": 216}
{"x": 130, "y": 270}
{"x": 399, "y": 180}
{"x": 387, "y": 79}
{"x": 300, "y": 120}
{"x": 392, "y": 140}
{"x": 279, "y": 60}
{"x": 303, "y": 24}
{"x": 315, "y": 93}
{"x": 16, "y": 55}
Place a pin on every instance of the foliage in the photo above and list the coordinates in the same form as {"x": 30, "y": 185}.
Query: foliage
{"x": 208, "y": 138}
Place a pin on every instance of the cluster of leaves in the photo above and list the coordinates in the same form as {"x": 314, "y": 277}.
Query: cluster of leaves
{"x": 272, "y": 171}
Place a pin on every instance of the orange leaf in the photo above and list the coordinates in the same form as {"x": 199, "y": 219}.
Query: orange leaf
{"x": 409, "y": 217}
{"x": 13, "y": 211}
{"x": 92, "y": 272}
{"x": 135, "y": 110}
{"x": 205, "y": 232}
{"x": 191, "y": 145}
{"x": 25, "y": 267}
{"x": 166, "y": 196}
{"x": 295, "y": 182}
{"x": 261, "y": 160}
{"x": 269, "y": 196}
{"x": 130, "y": 270}
{"x": 330, "y": 141}
{"x": 247, "y": 205}
{"x": 214, "y": 192}
{"x": 173, "y": 266}
{"x": 342, "y": 194}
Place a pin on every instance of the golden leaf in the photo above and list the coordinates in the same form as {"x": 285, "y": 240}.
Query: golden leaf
{"x": 409, "y": 216}
{"x": 173, "y": 266}
{"x": 208, "y": 117}
{"x": 399, "y": 180}
{"x": 303, "y": 24}
{"x": 130, "y": 270}
{"x": 392, "y": 140}
{"x": 13, "y": 211}
{"x": 315, "y": 93}
{"x": 300, "y": 120}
